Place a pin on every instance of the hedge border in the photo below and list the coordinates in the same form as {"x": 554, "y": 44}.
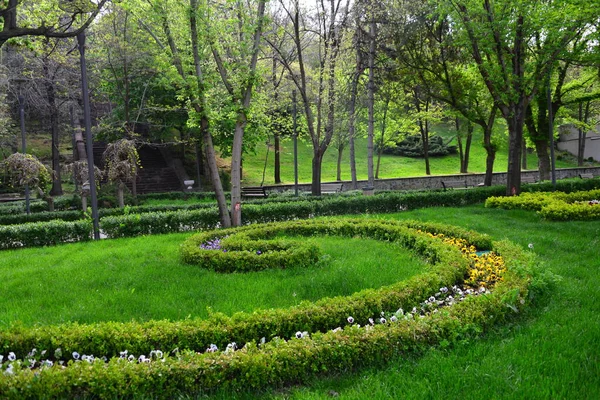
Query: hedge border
{"x": 277, "y": 361}
{"x": 554, "y": 206}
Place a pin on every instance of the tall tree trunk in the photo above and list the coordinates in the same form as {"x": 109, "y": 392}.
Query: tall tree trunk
{"x": 351, "y": 128}
{"x": 120, "y": 194}
{"x": 515, "y": 122}
{"x": 583, "y": 117}
{"x": 211, "y": 163}
{"x": 316, "y": 172}
{"x": 371, "y": 131}
{"x": 277, "y": 144}
{"x": 467, "y": 155}
{"x": 339, "y": 163}
{"x": 211, "y": 158}
{"x": 54, "y": 131}
{"x": 236, "y": 171}
{"x": 542, "y": 150}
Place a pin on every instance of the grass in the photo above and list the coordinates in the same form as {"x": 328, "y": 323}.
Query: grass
{"x": 142, "y": 278}
{"x": 391, "y": 166}
{"x": 552, "y": 351}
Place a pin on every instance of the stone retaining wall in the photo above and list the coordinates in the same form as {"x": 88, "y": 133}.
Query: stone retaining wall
{"x": 435, "y": 181}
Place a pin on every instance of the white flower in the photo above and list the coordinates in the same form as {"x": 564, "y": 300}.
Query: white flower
{"x": 123, "y": 354}
{"x": 12, "y": 356}
{"x": 47, "y": 363}
{"x": 142, "y": 358}
{"x": 444, "y": 290}
{"x": 393, "y": 318}
{"x": 400, "y": 312}
{"x": 371, "y": 321}
{"x": 431, "y": 299}
{"x": 156, "y": 353}
{"x": 76, "y": 355}
{"x": 382, "y": 320}
{"x": 350, "y": 320}
{"x": 212, "y": 348}
{"x": 298, "y": 335}
{"x": 530, "y": 245}
{"x": 482, "y": 290}
{"x": 9, "y": 370}
{"x": 338, "y": 329}
{"x": 131, "y": 357}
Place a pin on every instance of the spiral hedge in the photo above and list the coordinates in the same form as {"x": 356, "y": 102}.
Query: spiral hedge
{"x": 275, "y": 346}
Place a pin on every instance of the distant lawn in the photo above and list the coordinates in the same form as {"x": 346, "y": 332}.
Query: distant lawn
{"x": 142, "y": 278}
{"x": 391, "y": 166}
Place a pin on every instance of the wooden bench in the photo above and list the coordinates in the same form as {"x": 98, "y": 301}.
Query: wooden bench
{"x": 330, "y": 188}
{"x": 589, "y": 175}
{"x": 254, "y": 191}
{"x": 528, "y": 179}
{"x": 455, "y": 184}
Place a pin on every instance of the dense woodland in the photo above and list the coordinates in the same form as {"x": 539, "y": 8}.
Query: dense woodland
{"x": 226, "y": 74}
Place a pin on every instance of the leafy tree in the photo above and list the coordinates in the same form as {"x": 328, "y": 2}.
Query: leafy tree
{"x": 48, "y": 18}
{"x": 324, "y": 32}
{"x": 26, "y": 170}
{"x": 122, "y": 163}
{"x": 514, "y": 45}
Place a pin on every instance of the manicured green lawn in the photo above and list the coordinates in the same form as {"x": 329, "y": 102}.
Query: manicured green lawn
{"x": 142, "y": 278}
{"x": 552, "y": 351}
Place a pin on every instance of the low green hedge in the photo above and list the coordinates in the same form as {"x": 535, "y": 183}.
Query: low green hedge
{"x": 235, "y": 250}
{"x": 44, "y": 233}
{"x": 554, "y": 206}
{"x": 562, "y": 211}
{"x": 14, "y": 219}
{"x": 331, "y": 344}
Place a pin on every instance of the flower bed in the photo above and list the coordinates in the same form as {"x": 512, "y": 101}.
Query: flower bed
{"x": 554, "y": 206}
{"x": 278, "y": 346}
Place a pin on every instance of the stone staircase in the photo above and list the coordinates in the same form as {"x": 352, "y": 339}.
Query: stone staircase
{"x": 154, "y": 176}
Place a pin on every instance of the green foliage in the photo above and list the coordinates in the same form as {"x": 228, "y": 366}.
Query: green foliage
{"x": 27, "y": 170}
{"x": 412, "y": 146}
{"x": 44, "y": 233}
{"x": 231, "y": 250}
{"x": 554, "y": 206}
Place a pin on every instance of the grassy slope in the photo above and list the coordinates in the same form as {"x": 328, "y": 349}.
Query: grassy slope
{"x": 142, "y": 278}
{"x": 391, "y": 166}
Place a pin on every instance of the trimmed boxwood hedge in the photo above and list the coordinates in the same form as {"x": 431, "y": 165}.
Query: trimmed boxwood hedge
{"x": 44, "y": 233}
{"x": 242, "y": 250}
{"x": 332, "y": 345}
{"x": 554, "y": 206}
{"x": 132, "y": 221}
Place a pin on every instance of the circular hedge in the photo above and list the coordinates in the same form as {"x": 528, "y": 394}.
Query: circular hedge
{"x": 278, "y": 346}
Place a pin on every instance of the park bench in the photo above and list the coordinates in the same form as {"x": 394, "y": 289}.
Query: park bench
{"x": 589, "y": 175}
{"x": 330, "y": 188}
{"x": 454, "y": 184}
{"x": 10, "y": 197}
{"x": 254, "y": 191}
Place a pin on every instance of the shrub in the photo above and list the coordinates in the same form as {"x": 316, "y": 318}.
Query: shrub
{"x": 231, "y": 250}
{"x": 44, "y": 233}
{"x": 556, "y": 206}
